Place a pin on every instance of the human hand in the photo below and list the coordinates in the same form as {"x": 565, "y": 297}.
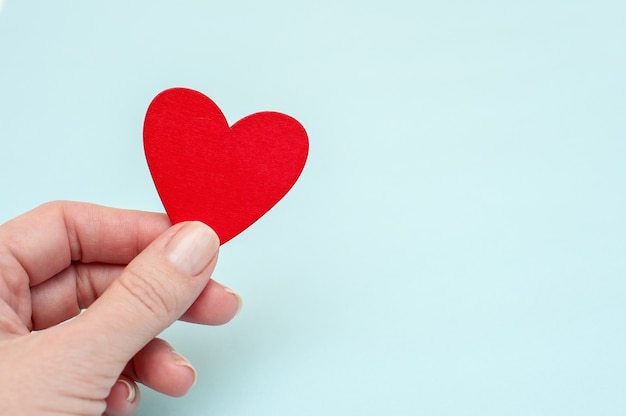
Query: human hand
{"x": 134, "y": 273}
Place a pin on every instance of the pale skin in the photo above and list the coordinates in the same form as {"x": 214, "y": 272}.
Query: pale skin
{"x": 133, "y": 274}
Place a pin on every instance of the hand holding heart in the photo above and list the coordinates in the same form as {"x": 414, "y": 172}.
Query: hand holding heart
{"x": 132, "y": 272}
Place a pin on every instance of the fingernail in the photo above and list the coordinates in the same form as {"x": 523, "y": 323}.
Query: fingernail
{"x": 182, "y": 361}
{"x": 237, "y": 296}
{"x": 192, "y": 248}
{"x": 132, "y": 393}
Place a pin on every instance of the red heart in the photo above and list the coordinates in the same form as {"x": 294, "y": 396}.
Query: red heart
{"x": 225, "y": 177}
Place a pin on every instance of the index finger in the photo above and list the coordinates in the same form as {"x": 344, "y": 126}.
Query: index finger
{"x": 46, "y": 240}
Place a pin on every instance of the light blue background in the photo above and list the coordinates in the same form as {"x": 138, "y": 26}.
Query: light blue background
{"x": 456, "y": 243}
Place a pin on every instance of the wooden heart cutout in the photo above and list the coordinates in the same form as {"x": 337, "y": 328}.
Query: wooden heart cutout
{"x": 226, "y": 177}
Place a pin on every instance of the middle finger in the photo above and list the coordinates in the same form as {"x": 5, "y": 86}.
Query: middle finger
{"x": 77, "y": 287}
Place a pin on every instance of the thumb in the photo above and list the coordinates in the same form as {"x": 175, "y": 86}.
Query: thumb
{"x": 154, "y": 290}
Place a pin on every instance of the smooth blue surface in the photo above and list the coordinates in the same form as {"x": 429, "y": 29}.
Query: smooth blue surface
{"x": 457, "y": 242}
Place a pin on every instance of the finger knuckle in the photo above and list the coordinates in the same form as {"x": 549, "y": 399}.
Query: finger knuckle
{"x": 86, "y": 292}
{"x": 148, "y": 292}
